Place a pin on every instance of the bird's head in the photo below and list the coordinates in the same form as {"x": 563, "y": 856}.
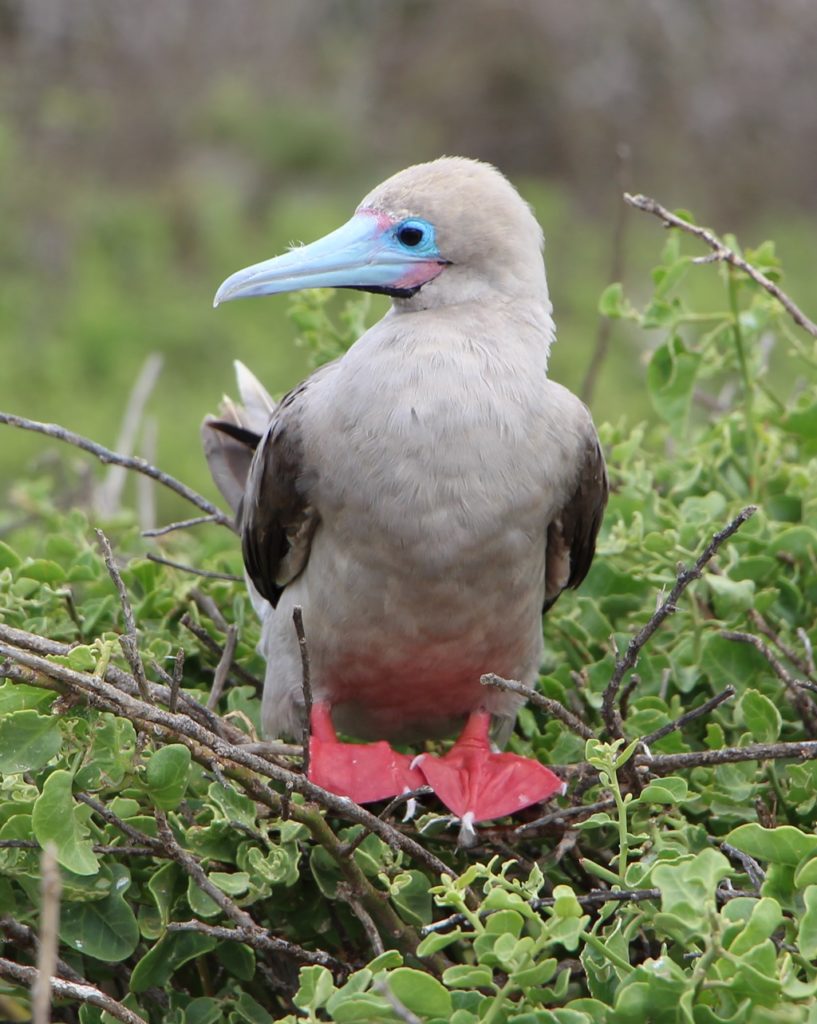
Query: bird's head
{"x": 449, "y": 231}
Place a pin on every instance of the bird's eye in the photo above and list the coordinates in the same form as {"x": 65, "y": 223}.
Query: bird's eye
{"x": 410, "y": 235}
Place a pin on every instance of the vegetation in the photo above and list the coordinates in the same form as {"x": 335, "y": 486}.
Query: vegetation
{"x": 675, "y": 882}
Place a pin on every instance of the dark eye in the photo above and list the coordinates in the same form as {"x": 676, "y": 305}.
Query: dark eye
{"x": 410, "y": 235}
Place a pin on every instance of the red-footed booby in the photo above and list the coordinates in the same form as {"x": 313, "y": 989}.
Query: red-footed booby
{"x": 423, "y": 498}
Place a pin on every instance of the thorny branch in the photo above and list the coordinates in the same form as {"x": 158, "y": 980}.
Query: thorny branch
{"x": 114, "y": 458}
{"x": 722, "y": 253}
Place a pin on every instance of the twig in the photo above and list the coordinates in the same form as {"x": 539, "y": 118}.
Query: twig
{"x": 181, "y": 524}
{"x": 802, "y": 664}
{"x": 107, "y": 815}
{"x": 756, "y": 874}
{"x": 206, "y": 745}
{"x": 24, "y": 937}
{"x": 145, "y": 489}
{"x": 176, "y": 680}
{"x": 306, "y": 683}
{"x": 722, "y": 253}
{"x": 661, "y": 764}
{"x": 223, "y": 668}
{"x": 594, "y": 898}
{"x": 564, "y": 815}
{"x": 114, "y": 458}
{"x": 801, "y": 700}
{"x": 548, "y": 704}
{"x": 349, "y": 897}
{"x": 401, "y": 1011}
{"x": 627, "y": 661}
{"x": 83, "y": 993}
{"x": 128, "y": 642}
{"x": 689, "y": 716}
{"x": 208, "y": 574}
{"x": 207, "y": 606}
{"x": 109, "y": 492}
{"x": 50, "y": 892}
{"x": 616, "y": 273}
{"x": 215, "y": 648}
{"x": 251, "y": 936}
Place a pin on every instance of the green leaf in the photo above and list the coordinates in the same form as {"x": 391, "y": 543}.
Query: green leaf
{"x": 671, "y": 376}
{"x": 760, "y": 716}
{"x": 166, "y": 775}
{"x": 611, "y": 301}
{"x": 468, "y": 976}
{"x": 105, "y": 929}
{"x": 28, "y": 741}
{"x": 671, "y": 789}
{"x": 170, "y": 953}
{"x": 784, "y": 844}
{"x": 315, "y": 989}
{"x": 419, "y": 992}
{"x": 57, "y": 818}
{"x": 807, "y": 935}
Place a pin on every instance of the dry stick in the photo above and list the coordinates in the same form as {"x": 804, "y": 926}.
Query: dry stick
{"x": 550, "y": 705}
{"x": 176, "y": 679}
{"x": 306, "y": 683}
{"x": 689, "y": 716}
{"x": 114, "y": 458}
{"x": 347, "y": 894}
{"x": 181, "y": 524}
{"x": 223, "y": 668}
{"x": 799, "y": 698}
{"x": 50, "y": 892}
{"x": 401, "y": 1011}
{"x": 627, "y": 661}
{"x": 109, "y": 492}
{"x": 82, "y": 993}
{"x": 722, "y": 253}
{"x": 802, "y": 664}
{"x": 208, "y": 574}
{"x": 254, "y": 934}
{"x": 216, "y": 648}
{"x": 616, "y": 273}
{"x": 564, "y": 815}
{"x": 128, "y": 642}
{"x": 594, "y": 898}
{"x": 207, "y": 606}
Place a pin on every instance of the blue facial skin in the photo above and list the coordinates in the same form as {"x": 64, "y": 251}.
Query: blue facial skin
{"x": 364, "y": 253}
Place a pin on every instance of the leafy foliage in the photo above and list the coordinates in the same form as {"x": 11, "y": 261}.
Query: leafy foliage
{"x": 685, "y": 895}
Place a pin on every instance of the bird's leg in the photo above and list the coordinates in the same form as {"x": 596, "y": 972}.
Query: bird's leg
{"x": 478, "y": 784}
{"x": 364, "y": 772}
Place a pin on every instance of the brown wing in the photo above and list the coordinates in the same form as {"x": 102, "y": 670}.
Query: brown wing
{"x": 276, "y": 518}
{"x": 571, "y": 535}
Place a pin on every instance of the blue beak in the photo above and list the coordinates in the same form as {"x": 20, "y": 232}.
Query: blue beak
{"x": 365, "y": 253}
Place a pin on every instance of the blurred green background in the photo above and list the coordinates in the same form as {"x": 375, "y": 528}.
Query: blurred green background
{"x": 149, "y": 149}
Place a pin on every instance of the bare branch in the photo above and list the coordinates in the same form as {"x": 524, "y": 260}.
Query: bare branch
{"x": 689, "y": 716}
{"x": 722, "y": 253}
{"x": 128, "y": 642}
{"x": 799, "y": 698}
{"x": 208, "y": 574}
{"x": 82, "y": 993}
{"x": 50, "y": 892}
{"x": 215, "y": 648}
{"x": 181, "y": 524}
{"x": 306, "y": 683}
{"x": 269, "y": 944}
{"x": 24, "y": 937}
{"x": 553, "y": 707}
{"x": 114, "y": 458}
{"x": 348, "y": 895}
{"x": 223, "y": 668}
{"x": 627, "y": 661}
{"x": 565, "y": 814}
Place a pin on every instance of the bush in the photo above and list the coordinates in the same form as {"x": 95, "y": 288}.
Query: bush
{"x": 202, "y": 881}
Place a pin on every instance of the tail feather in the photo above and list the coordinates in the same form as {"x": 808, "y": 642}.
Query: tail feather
{"x": 230, "y": 439}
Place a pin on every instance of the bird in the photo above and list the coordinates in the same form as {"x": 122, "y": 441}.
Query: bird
{"x": 423, "y": 499}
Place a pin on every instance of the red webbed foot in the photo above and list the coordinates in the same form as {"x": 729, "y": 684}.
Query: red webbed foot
{"x": 364, "y": 772}
{"x": 478, "y": 784}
